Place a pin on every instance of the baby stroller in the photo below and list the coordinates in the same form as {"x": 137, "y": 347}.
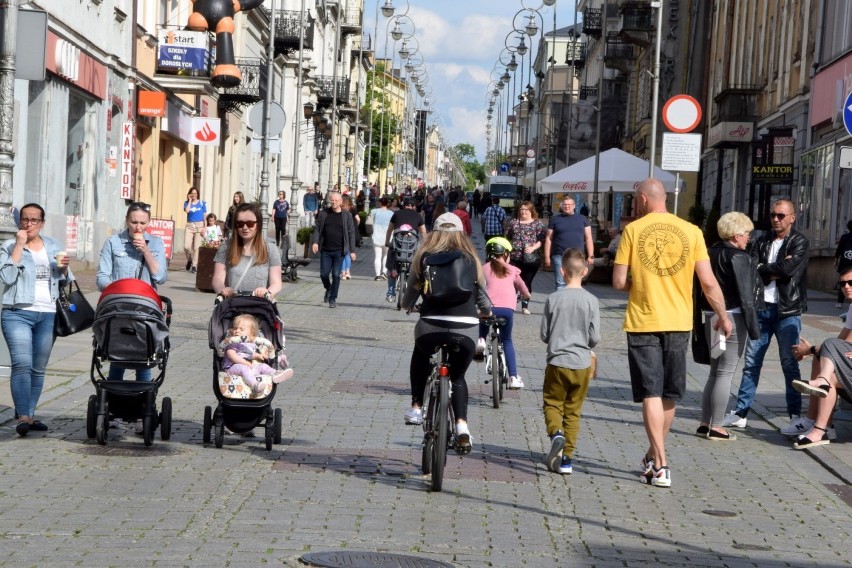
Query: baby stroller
{"x": 237, "y": 409}
{"x": 131, "y": 329}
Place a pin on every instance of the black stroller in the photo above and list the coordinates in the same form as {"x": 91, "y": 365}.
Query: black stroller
{"x": 131, "y": 329}
{"x": 236, "y": 410}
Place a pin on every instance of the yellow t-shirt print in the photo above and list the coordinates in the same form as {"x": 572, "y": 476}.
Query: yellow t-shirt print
{"x": 662, "y": 249}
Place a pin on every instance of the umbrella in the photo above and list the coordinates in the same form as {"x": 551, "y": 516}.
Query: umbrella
{"x": 618, "y": 171}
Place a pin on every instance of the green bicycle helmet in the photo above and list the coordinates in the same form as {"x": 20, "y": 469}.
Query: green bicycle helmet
{"x": 497, "y": 246}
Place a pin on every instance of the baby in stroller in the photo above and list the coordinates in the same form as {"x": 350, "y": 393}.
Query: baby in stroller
{"x": 244, "y": 354}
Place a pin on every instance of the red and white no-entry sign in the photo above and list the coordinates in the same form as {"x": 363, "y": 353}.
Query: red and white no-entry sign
{"x": 681, "y": 114}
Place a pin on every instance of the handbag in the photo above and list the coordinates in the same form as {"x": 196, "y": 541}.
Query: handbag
{"x": 532, "y": 257}
{"x": 73, "y": 312}
{"x": 700, "y": 346}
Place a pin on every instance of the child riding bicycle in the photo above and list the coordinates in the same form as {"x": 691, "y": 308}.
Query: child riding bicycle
{"x": 503, "y": 283}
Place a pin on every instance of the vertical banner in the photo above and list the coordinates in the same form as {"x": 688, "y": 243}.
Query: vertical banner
{"x": 72, "y": 231}
{"x": 165, "y": 229}
{"x": 126, "y": 160}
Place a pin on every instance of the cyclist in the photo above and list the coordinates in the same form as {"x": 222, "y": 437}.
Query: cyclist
{"x": 445, "y": 323}
{"x": 503, "y": 284}
{"x": 409, "y": 221}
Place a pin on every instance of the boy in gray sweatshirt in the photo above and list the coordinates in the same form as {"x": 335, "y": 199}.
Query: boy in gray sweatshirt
{"x": 570, "y": 326}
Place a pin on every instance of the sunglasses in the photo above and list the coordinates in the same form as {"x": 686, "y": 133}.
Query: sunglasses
{"x": 779, "y": 216}
{"x": 843, "y": 283}
{"x": 249, "y": 224}
{"x": 139, "y": 206}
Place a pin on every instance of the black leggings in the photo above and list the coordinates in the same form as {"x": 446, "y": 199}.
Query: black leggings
{"x": 528, "y": 272}
{"x": 280, "y": 230}
{"x": 429, "y": 336}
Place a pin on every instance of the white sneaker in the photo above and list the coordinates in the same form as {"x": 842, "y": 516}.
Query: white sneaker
{"x": 516, "y": 383}
{"x": 525, "y": 311}
{"x": 139, "y": 427}
{"x": 480, "y": 346}
{"x": 414, "y": 416}
{"x": 464, "y": 441}
{"x": 799, "y": 425}
{"x": 733, "y": 420}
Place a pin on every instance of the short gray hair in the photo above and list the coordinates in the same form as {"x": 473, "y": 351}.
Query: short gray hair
{"x": 733, "y": 223}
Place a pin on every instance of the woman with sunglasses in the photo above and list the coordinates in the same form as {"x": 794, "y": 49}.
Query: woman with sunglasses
{"x": 132, "y": 253}
{"x": 248, "y": 263}
{"x": 736, "y": 273}
{"x": 32, "y": 266}
{"x": 195, "y": 210}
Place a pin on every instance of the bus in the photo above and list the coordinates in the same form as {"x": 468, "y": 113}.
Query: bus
{"x": 506, "y": 188}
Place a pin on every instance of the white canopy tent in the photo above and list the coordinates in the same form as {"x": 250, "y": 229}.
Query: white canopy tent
{"x": 618, "y": 171}
{"x": 539, "y": 175}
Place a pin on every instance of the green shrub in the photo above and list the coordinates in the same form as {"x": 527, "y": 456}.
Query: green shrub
{"x": 303, "y": 235}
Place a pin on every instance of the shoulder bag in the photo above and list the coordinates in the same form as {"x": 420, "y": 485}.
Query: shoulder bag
{"x": 73, "y": 312}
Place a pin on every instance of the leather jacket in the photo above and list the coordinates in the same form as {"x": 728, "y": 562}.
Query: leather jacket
{"x": 735, "y": 271}
{"x": 791, "y": 274}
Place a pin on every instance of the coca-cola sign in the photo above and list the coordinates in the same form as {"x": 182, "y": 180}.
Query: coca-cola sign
{"x": 575, "y": 186}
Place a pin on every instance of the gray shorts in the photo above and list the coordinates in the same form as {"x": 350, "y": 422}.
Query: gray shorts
{"x": 657, "y": 364}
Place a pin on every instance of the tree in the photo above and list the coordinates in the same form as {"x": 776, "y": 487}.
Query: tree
{"x": 384, "y": 123}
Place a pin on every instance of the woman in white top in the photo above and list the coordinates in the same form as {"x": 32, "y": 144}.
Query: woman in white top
{"x": 381, "y": 221}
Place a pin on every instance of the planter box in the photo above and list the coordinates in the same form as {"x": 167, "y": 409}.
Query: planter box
{"x": 204, "y": 274}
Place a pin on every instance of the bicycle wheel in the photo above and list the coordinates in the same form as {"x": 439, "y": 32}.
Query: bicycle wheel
{"x": 504, "y": 373}
{"x": 496, "y": 372}
{"x": 428, "y": 434}
{"x": 401, "y": 281}
{"x": 442, "y": 432}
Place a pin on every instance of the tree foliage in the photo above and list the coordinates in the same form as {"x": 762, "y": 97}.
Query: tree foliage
{"x": 384, "y": 123}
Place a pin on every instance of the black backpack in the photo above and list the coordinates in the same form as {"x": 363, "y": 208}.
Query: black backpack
{"x": 448, "y": 277}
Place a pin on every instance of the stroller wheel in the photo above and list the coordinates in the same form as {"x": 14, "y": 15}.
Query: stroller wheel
{"x": 219, "y": 425}
{"x": 92, "y": 417}
{"x": 101, "y": 429}
{"x": 166, "y": 419}
{"x": 207, "y": 428}
{"x": 148, "y": 430}
{"x": 277, "y": 425}
{"x": 268, "y": 427}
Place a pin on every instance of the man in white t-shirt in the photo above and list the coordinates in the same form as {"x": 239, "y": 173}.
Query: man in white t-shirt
{"x": 782, "y": 264}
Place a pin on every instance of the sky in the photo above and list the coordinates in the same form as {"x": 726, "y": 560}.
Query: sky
{"x": 461, "y": 41}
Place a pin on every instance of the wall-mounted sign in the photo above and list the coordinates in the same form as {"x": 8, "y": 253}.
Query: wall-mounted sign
{"x": 151, "y": 103}
{"x": 730, "y": 132}
{"x": 772, "y": 173}
{"x": 180, "y": 50}
{"x": 126, "y": 153}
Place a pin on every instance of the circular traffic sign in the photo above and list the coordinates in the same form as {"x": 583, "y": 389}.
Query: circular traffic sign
{"x": 277, "y": 118}
{"x": 847, "y": 113}
{"x": 530, "y": 152}
{"x": 681, "y": 114}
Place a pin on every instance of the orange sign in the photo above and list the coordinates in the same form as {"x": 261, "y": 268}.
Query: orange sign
{"x": 151, "y": 103}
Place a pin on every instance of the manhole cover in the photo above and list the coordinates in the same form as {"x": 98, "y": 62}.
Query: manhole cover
{"x": 717, "y": 513}
{"x": 752, "y": 547}
{"x": 127, "y": 449}
{"x": 369, "y": 560}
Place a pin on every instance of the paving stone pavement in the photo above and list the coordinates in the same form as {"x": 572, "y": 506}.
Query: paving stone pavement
{"x": 346, "y": 476}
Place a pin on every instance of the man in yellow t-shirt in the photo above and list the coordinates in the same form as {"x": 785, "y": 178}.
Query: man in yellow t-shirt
{"x": 662, "y": 253}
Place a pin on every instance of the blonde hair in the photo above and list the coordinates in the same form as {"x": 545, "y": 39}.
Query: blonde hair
{"x": 440, "y": 241}
{"x": 733, "y": 223}
{"x": 250, "y": 321}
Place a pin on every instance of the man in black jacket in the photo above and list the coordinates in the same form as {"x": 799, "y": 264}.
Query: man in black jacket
{"x": 781, "y": 256}
{"x": 333, "y": 235}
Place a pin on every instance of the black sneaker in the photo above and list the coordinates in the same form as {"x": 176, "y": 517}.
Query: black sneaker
{"x": 554, "y": 457}
{"x": 332, "y": 304}
{"x": 188, "y": 264}
{"x": 325, "y": 298}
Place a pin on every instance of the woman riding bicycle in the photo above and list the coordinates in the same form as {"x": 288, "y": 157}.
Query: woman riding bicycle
{"x": 445, "y": 324}
{"x": 503, "y": 282}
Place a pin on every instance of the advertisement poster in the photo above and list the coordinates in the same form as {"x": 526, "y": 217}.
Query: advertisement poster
{"x": 165, "y": 229}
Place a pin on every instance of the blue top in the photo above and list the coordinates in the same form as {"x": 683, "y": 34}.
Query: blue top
{"x": 310, "y": 202}
{"x": 281, "y": 208}
{"x": 569, "y": 231}
{"x": 19, "y": 279}
{"x": 196, "y": 213}
{"x": 120, "y": 259}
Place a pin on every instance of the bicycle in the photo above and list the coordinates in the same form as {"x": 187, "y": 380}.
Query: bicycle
{"x": 401, "y": 282}
{"x": 498, "y": 370}
{"x": 438, "y": 419}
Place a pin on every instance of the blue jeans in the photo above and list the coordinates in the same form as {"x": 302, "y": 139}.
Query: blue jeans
{"x": 505, "y": 337}
{"x": 29, "y": 336}
{"x": 331, "y": 262}
{"x": 347, "y": 261}
{"x": 556, "y": 263}
{"x": 786, "y": 332}
{"x": 116, "y": 373}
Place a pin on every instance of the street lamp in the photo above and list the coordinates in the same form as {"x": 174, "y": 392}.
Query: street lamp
{"x": 387, "y": 9}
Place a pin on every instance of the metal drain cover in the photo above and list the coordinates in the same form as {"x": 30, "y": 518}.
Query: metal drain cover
{"x": 127, "y": 450}
{"x": 355, "y": 559}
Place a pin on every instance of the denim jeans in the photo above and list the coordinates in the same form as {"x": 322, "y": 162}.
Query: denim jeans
{"x": 116, "y": 373}
{"x": 29, "y": 336}
{"x": 331, "y": 262}
{"x": 505, "y": 337}
{"x": 786, "y": 332}
{"x": 347, "y": 261}
{"x": 556, "y": 263}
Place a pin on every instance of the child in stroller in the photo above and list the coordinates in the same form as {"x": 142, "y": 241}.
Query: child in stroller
{"x": 244, "y": 354}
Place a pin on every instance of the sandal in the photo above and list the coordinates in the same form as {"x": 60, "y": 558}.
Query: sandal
{"x": 38, "y": 426}
{"x": 702, "y": 430}
{"x": 804, "y": 443}
{"x": 22, "y": 428}
{"x": 720, "y": 436}
{"x": 805, "y": 387}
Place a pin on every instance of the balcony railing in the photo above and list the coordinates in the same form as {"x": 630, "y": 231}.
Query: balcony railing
{"x": 638, "y": 20}
{"x": 350, "y": 23}
{"x": 288, "y": 24}
{"x": 592, "y": 22}
{"x": 575, "y": 54}
{"x": 326, "y": 95}
{"x": 618, "y": 54}
{"x": 251, "y": 89}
